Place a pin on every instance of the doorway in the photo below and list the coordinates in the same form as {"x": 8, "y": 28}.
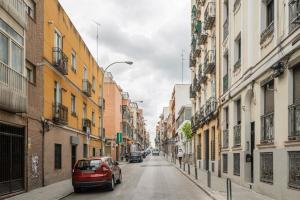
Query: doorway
{"x": 252, "y": 146}
{"x": 206, "y": 135}
{"x": 73, "y": 155}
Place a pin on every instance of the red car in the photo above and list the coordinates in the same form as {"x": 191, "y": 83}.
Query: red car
{"x": 96, "y": 172}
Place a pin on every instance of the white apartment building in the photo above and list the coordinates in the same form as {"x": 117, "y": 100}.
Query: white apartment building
{"x": 260, "y": 95}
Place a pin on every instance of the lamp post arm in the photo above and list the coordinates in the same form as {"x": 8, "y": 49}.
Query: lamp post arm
{"x": 118, "y": 62}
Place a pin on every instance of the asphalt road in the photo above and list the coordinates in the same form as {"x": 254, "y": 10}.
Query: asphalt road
{"x": 154, "y": 179}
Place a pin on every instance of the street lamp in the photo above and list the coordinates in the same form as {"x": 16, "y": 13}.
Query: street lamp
{"x": 102, "y": 98}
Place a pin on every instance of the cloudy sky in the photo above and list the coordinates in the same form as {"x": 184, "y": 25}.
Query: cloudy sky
{"x": 151, "y": 33}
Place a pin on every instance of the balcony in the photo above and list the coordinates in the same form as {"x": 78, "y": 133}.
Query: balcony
{"x": 101, "y": 103}
{"x": 197, "y": 49}
{"x": 60, "y": 113}
{"x": 192, "y": 92}
{"x": 192, "y": 60}
{"x": 13, "y": 90}
{"x": 294, "y": 11}
{"x": 225, "y": 83}
{"x": 202, "y": 78}
{"x": 268, "y": 32}
{"x": 86, "y": 124}
{"x": 294, "y": 122}
{"x": 267, "y": 129}
{"x": 202, "y": 2}
{"x": 87, "y": 87}
{"x": 202, "y": 35}
{"x": 225, "y": 29}
{"x": 225, "y": 138}
{"x": 210, "y": 107}
{"x": 60, "y": 60}
{"x": 209, "y": 15}
{"x": 17, "y": 9}
{"x": 237, "y": 135}
{"x": 209, "y": 62}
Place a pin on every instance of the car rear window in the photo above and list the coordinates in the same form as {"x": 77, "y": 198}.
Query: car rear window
{"x": 86, "y": 165}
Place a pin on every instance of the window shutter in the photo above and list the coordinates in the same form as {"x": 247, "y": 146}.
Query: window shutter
{"x": 297, "y": 85}
{"x": 269, "y": 97}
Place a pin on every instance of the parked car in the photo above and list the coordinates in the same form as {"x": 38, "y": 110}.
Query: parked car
{"x": 155, "y": 152}
{"x": 96, "y": 172}
{"x": 144, "y": 154}
{"x": 135, "y": 156}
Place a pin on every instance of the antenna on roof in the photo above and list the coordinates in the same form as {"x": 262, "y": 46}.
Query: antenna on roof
{"x": 98, "y": 25}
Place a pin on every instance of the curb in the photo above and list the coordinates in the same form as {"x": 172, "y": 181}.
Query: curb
{"x": 197, "y": 184}
{"x": 60, "y": 198}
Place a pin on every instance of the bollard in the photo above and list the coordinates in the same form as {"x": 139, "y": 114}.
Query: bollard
{"x": 196, "y": 173}
{"x": 229, "y": 190}
{"x": 184, "y": 166}
{"x": 208, "y": 179}
{"x": 189, "y": 170}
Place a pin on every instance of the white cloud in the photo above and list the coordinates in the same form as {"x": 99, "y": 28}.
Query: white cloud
{"x": 151, "y": 33}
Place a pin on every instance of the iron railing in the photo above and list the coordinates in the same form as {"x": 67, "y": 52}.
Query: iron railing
{"x": 225, "y": 138}
{"x": 13, "y": 90}
{"x": 60, "y": 113}
{"x": 210, "y": 107}
{"x": 267, "y": 33}
{"x": 294, "y": 122}
{"x": 267, "y": 128}
{"x": 237, "y": 135}
{"x": 266, "y": 167}
{"x": 225, "y": 29}
{"x": 60, "y": 60}
{"x": 210, "y": 15}
{"x": 16, "y": 8}
{"x": 294, "y": 169}
{"x": 202, "y": 35}
{"x": 209, "y": 62}
{"x": 294, "y": 14}
{"x": 87, "y": 87}
{"x": 225, "y": 83}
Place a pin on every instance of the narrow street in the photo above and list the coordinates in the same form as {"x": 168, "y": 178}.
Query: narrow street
{"x": 155, "y": 178}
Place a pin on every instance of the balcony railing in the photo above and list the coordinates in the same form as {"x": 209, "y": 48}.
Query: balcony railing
{"x": 202, "y": 2}
{"x": 225, "y": 29}
{"x": 87, "y": 87}
{"x": 225, "y": 138}
{"x": 17, "y": 9}
{"x": 237, "y": 135}
{"x": 192, "y": 92}
{"x": 13, "y": 90}
{"x": 267, "y": 128}
{"x": 209, "y": 62}
{"x": 294, "y": 12}
{"x": 60, "y": 113}
{"x": 267, "y": 33}
{"x": 294, "y": 122}
{"x": 86, "y": 124}
{"x": 225, "y": 83}
{"x": 60, "y": 60}
{"x": 210, "y": 107}
{"x": 209, "y": 15}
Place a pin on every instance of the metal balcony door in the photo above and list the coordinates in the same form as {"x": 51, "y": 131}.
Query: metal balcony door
{"x": 11, "y": 159}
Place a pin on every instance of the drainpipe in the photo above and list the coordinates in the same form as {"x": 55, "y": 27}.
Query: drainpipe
{"x": 43, "y": 153}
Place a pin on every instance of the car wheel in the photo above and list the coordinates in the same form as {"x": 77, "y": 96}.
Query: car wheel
{"x": 120, "y": 178}
{"x": 77, "y": 190}
{"x": 112, "y": 184}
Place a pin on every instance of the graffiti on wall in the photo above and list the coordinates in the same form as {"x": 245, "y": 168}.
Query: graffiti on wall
{"x": 34, "y": 166}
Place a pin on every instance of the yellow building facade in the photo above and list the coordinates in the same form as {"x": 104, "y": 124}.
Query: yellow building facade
{"x": 72, "y": 91}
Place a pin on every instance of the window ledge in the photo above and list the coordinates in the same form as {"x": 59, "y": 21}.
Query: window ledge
{"x": 74, "y": 114}
{"x": 236, "y": 148}
{"x": 290, "y": 143}
{"x": 267, "y": 33}
{"x": 225, "y": 149}
{"x": 265, "y": 146}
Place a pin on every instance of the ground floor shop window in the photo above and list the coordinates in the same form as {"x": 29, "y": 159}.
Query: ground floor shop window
{"x": 236, "y": 164}
{"x": 225, "y": 163}
{"x": 57, "y": 156}
{"x": 266, "y": 167}
{"x": 294, "y": 169}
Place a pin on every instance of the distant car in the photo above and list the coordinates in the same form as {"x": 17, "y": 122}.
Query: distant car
{"x": 96, "y": 172}
{"x": 155, "y": 152}
{"x": 135, "y": 156}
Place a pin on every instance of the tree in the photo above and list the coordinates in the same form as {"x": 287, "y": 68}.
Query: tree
{"x": 187, "y": 130}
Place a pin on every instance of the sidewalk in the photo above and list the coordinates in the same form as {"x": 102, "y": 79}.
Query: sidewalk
{"x": 217, "y": 190}
{"x": 54, "y": 191}
{"x": 49, "y": 192}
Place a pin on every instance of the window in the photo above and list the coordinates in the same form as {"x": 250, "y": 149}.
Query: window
{"x": 213, "y": 146}
{"x": 85, "y": 150}
{"x": 94, "y": 84}
{"x": 238, "y": 52}
{"x": 238, "y": 111}
{"x": 225, "y": 163}
{"x": 294, "y": 169}
{"x": 57, "y": 154}
{"x": 267, "y": 135}
{"x": 93, "y": 118}
{"x": 74, "y": 64}
{"x": 30, "y": 73}
{"x": 94, "y": 152}
{"x": 17, "y": 57}
{"x": 294, "y": 11}
{"x": 84, "y": 111}
{"x": 266, "y": 167}
{"x": 85, "y": 73}
{"x": 30, "y": 10}
{"x": 225, "y": 72}
{"x": 57, "y": 93}
{"x": 73, "y": 104}
{"x": 236, "y": 164}
{"x": 4, "y": 49}
{"x": 294, "y": 109}
{"x": 237, "y": 127}
{"x": 270, "y": 12}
